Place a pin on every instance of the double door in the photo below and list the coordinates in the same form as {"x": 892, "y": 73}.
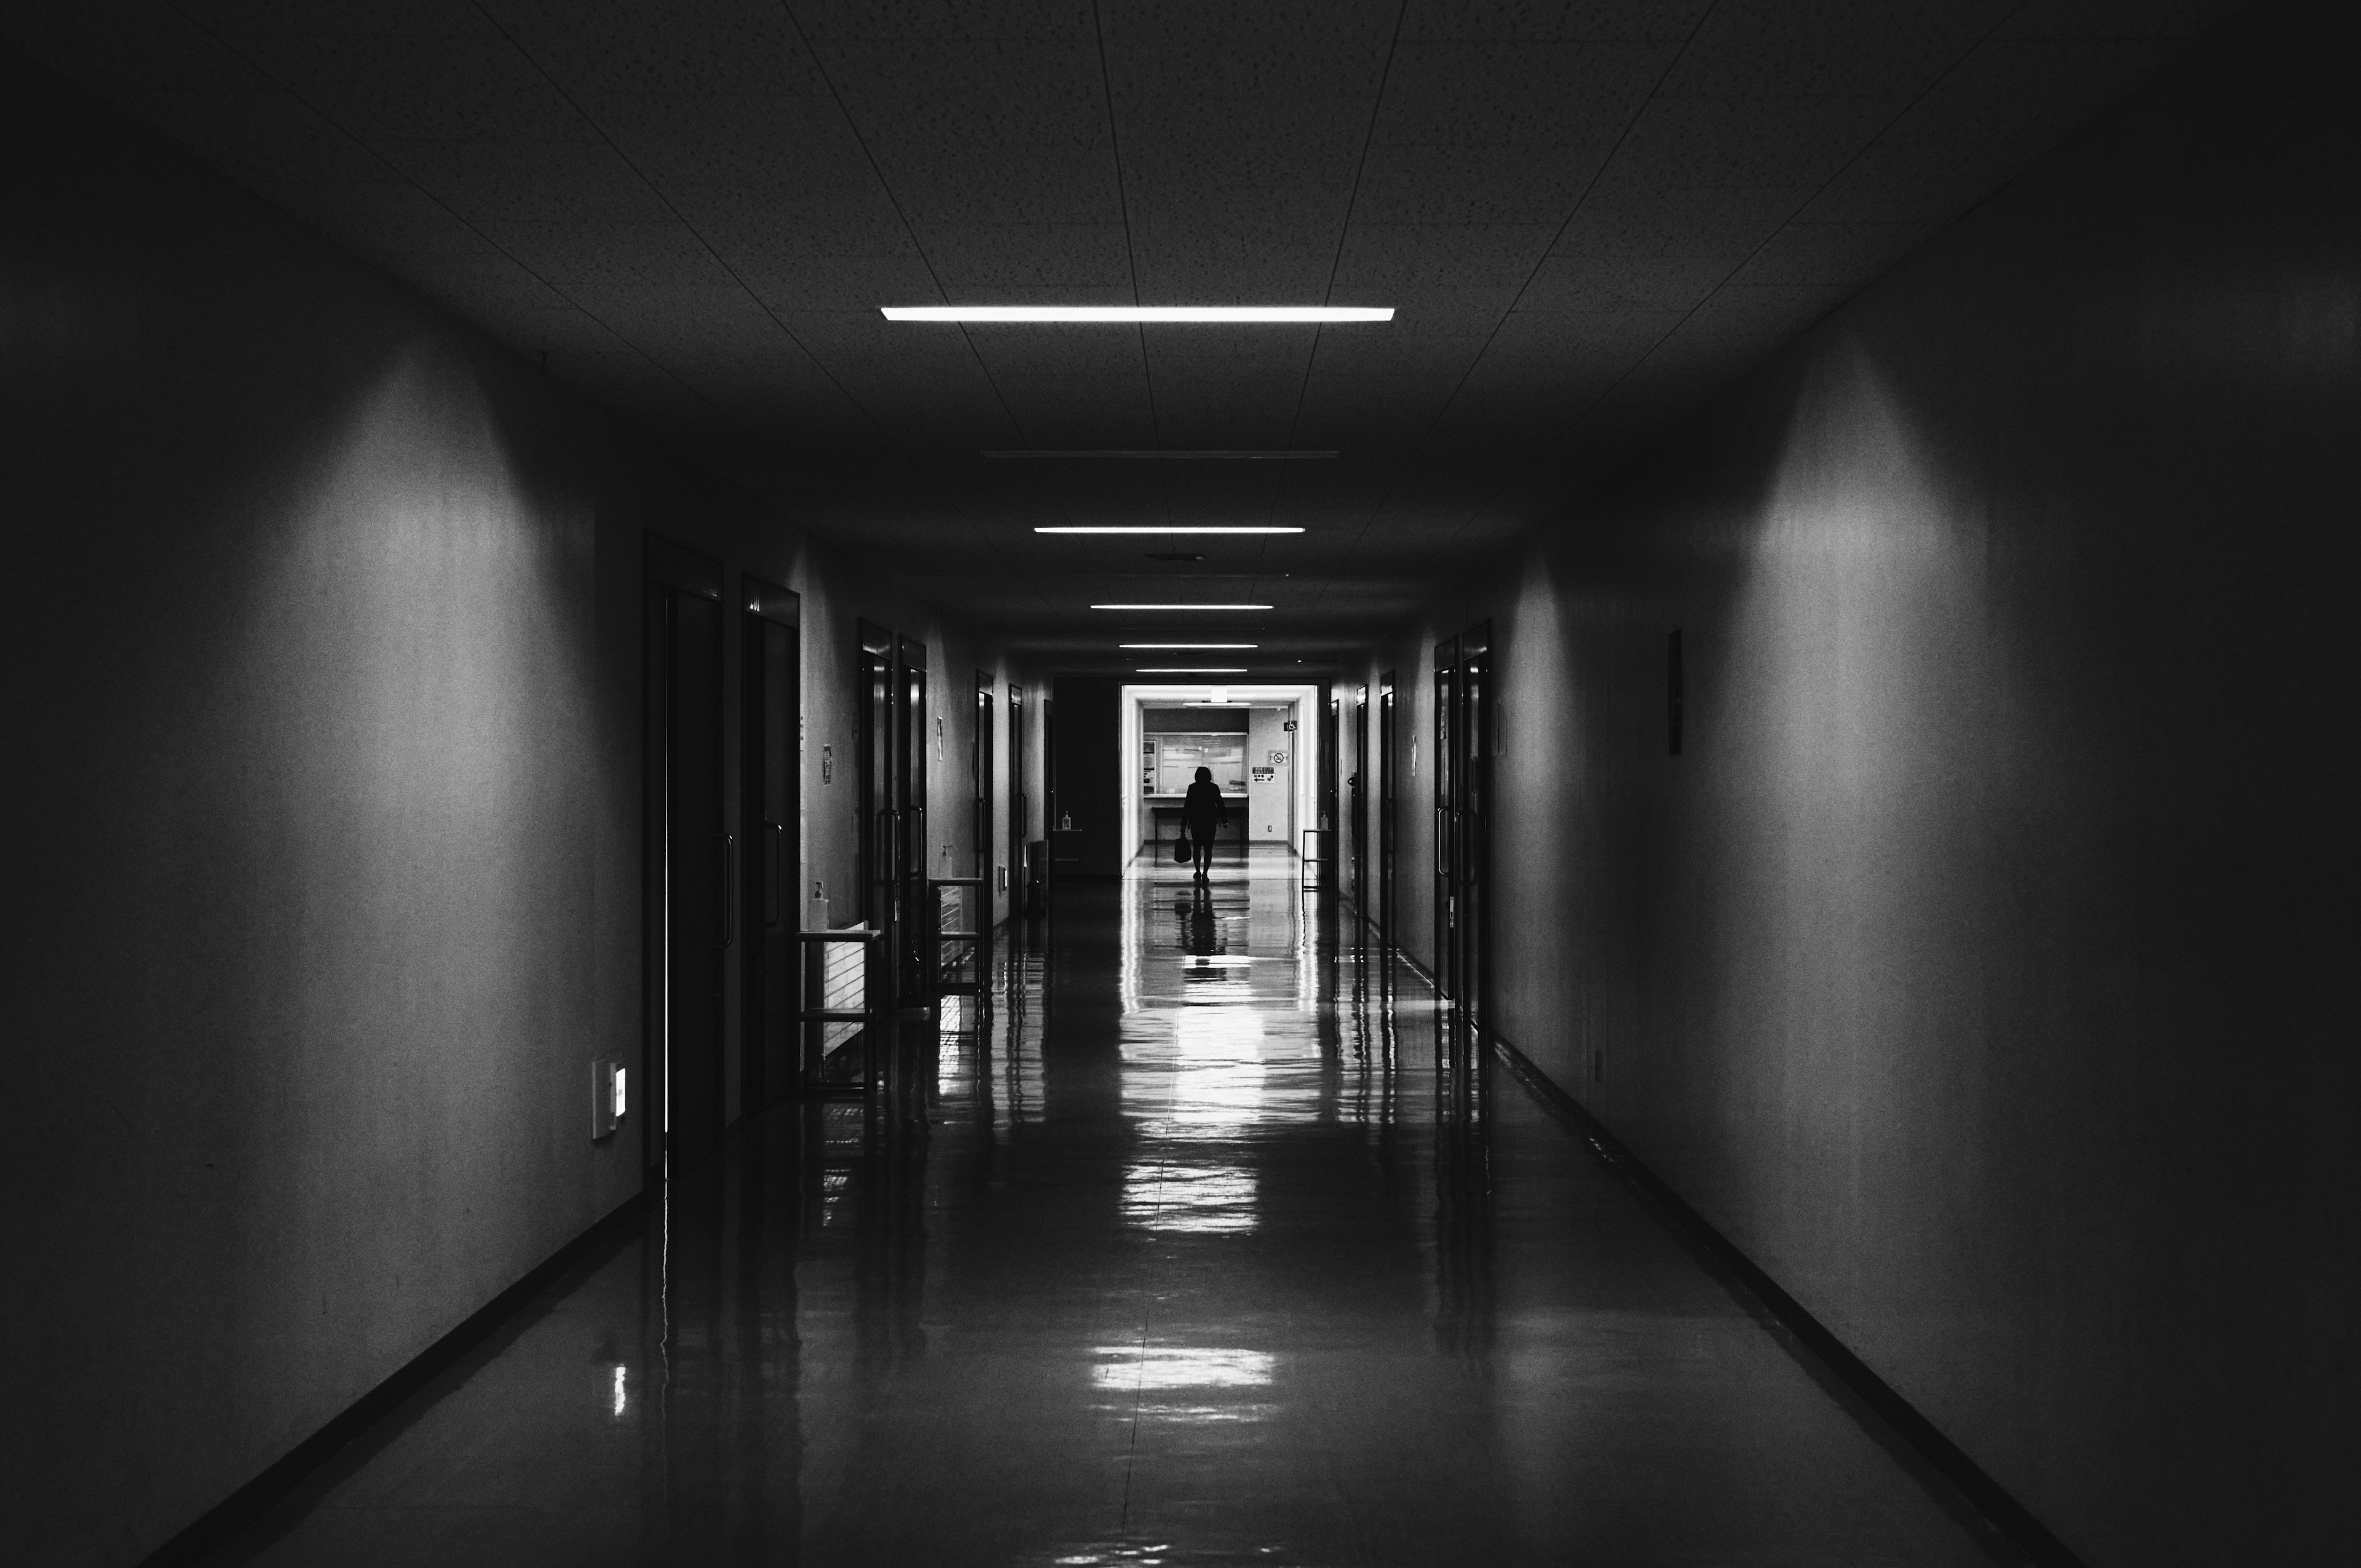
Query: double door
{"x": 894, "y": 894}
{"x": 1463, "y": 822}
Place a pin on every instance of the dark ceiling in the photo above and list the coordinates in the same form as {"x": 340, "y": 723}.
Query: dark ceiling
{"x": 1586, "y": 215}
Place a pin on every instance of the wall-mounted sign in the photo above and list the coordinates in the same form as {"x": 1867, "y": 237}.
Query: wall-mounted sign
{"x": 1265, "y": 775}
{"x": 827, "y": 764}
{"x": 1278, "y": 759}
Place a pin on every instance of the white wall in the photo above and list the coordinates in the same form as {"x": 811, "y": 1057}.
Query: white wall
{"x": 1271, "y": 807}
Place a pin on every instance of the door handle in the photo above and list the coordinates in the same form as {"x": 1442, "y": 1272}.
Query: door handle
{"x": 729, "y": 889}
{"x": 775, "y": 869}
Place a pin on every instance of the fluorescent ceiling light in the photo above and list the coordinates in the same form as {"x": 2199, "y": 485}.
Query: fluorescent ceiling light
{"x": 1179, "y": 606}
{"x": 1180, "y": 313}
{"x": 1157, "y": 454}
{"x": 1184, "y": 529}
{"x": 1192, "y": 647}
{"x": 1190, "y": 670}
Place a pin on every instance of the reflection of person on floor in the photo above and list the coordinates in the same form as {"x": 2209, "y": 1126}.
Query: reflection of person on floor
{"x": 1201, "y": 818}
{"x": 1202, "y": 933}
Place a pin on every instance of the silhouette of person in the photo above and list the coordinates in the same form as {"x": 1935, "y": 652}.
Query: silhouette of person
{"x": 1201, "y": 815}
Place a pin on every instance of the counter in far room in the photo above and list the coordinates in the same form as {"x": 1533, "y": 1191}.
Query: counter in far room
{"x": 1164, "y": 818}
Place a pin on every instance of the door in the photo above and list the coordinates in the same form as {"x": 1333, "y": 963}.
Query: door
{"x": 979, "y": 770}
{"x": 1330, "y": 810}
{"x": 880, "y": 874}
{"x": 690, "y": 860}
{"x": 1357, "y": 805}
{"x": 1389, "y": 819}
{"x": 770, "y": 876}
{"x": 1016, "y": 826}
{"x": 913, "y": 861}
{"x": 1444, "y": 780}
{"x": 1473, "y": 853}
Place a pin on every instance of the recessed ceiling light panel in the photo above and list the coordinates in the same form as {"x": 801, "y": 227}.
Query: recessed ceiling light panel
{"x": 1192, "y": 647}
{"x": 1171, "y": 529}
{"x": 1190, "y": 670}
{"x": 1209, "y": 315}
{"x": 1160, "y": 455}
{"x": 1179, "y": 606}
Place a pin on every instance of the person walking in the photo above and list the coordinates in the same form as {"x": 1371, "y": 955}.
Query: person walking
{"x": 1201, "y": 818}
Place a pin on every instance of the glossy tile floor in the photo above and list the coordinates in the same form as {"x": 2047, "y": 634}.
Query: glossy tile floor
{"x": 1210, "y": 1248}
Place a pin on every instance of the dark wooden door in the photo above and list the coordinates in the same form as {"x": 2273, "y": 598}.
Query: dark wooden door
{"x": 1358, "y": 790}
{"x": 1444, "y": 776}
{"x": 1017, "y": 804}
{"x": 880, "y": 775}
{"x": 1389, "y": 817}
{"x": 914, "y": 904}
{"x": 690, "y": 921}
{"x": 1472, "y": 853}
{"x": 770, "y": 877}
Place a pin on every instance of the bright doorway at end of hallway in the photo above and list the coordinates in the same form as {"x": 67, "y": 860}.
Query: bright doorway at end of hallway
{"x": 1261, "y": 742}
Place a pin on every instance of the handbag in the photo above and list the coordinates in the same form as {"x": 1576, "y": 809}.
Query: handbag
{"x": 1180, "y": 849}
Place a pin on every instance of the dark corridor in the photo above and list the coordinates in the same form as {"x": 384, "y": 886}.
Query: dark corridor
{"x": 1211, "y": 1248}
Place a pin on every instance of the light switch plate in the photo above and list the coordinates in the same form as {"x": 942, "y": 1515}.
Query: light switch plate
{"x": 610, "y": 1097}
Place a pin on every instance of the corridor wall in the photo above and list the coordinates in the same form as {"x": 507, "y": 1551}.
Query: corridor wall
{"x": 326, "y": 819}
{"x": 1980, "y": 966}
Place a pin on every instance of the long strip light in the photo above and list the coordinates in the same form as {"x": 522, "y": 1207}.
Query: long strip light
{"x": 1190, "y": 670}
{"x": 1189, "y": 647}
{"x": 1177, "y": 529}
{"x": 1175, "y": 455}
{"x": 1206, "y": 314}
{"x": 1179, "y": 606}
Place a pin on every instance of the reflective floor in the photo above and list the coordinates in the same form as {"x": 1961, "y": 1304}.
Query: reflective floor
{"x": 1207, "y": 1246}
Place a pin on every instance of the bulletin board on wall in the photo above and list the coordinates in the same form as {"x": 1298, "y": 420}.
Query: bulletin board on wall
{"x": 1172, "y": 761}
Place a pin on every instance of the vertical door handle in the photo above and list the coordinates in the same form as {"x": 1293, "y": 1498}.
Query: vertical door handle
{"x": 774, "y": 894}
{"x": 729, "y": 889}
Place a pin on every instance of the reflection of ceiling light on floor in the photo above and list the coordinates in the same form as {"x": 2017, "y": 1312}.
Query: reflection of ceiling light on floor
{"x": 1197, "y": 1199}
{"x": 1130, "y": 1366}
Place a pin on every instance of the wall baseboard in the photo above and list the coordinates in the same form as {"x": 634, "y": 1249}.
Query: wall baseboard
{"x": 1980, "y": 1499}
{"x": 278, "y": 1480}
